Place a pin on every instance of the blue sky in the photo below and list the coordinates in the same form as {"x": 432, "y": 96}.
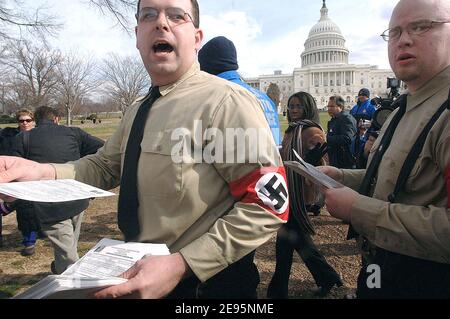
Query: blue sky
{"x": 269, "y": 35}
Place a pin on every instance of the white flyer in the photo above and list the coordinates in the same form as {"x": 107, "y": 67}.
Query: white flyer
{"x": 60, "y": 190}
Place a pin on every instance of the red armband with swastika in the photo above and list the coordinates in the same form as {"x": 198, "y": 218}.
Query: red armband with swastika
{"x": 266, "y": 187}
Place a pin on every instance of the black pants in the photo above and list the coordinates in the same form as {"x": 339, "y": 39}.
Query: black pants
{"x": 237, "y": 281}
{"x": 27, "y": 220}
{"x": 404, "y": 277}
{"x": 290, "y": 238}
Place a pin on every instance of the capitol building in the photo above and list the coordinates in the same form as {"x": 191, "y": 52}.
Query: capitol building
{"x": 325, "y": 69}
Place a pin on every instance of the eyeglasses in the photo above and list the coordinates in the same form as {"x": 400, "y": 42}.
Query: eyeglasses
{"x": 415, "y": 28}
{"x": 25, "y": 120}
{"x": 175, "y": 16}
{"x": 300, "y": 107}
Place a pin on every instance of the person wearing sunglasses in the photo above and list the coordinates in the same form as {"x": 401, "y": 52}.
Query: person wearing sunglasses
{"x": 27, "y": 221}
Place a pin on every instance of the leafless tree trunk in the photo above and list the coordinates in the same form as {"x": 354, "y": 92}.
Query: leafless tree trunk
{"x": 76, "y": 81}
{"x": 16, "y": 17}
{"x": 33, "y": 72}
{"x": 126, "y": 79}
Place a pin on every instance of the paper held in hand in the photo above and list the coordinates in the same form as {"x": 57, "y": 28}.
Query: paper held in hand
{"x": 97, "y": 269}
{"x": 60, "y": 190}
{"x": 312, "y": 173}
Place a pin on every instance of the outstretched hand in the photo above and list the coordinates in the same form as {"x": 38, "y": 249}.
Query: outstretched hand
{"x": 152, "y": 277}
{"x": 20, "y": 169}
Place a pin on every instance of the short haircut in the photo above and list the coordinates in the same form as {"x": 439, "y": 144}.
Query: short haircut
{"x": 23, "y": 112}
{"x": 45, "y": 113}
{"x": 338, "y": 100}
{"x": 195, "y": 12}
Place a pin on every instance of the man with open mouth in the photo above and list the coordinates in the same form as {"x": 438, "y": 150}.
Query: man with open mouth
{"x": 212, "y": 215}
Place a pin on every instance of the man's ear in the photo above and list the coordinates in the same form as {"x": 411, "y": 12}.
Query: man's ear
{"x": 198, "y": 39}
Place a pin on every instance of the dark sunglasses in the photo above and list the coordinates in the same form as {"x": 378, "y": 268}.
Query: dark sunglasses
{"x": 27, "y": 120}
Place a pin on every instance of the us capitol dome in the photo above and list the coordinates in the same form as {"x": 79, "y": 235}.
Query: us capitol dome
{"x": 325, "y": 43}
{"x": 325, "y": 69}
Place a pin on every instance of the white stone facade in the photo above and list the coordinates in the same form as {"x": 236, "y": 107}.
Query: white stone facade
{"x": 325, "y": 70}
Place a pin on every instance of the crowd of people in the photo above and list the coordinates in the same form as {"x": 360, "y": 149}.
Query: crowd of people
{"x": 213, "y": 215}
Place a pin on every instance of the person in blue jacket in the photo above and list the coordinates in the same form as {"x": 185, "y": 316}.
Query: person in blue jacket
{"x": 364, "y": 109}
{"x": 218, "y": 57}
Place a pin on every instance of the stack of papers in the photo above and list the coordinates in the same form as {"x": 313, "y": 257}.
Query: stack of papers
{"x": 311, "y": 173}
{"x": 98, "y": 269}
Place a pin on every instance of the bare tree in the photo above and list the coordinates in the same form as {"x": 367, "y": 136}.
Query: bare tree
{"x": 273, "y": 91}
{"x": 76, "y": 81}
{"x": 126, "y": 79}
{"x": 33, "y": 72}
{"x": 15, "y": 18}
{"x": 121, "y": 10}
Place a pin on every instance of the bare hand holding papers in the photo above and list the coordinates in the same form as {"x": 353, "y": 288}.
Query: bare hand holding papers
{"x": 99, "y": 268}
{"x": 61, "y": 190}
{"x": 312, "y": 173}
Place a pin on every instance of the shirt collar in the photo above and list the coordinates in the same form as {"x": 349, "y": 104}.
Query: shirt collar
{"x": 166, "y": 89}
{"x": 436, "y": 84}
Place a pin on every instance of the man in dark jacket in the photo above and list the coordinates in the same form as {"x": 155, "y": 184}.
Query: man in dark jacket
{"x": 341, "y": 130}
{"x": 50, "y": 142}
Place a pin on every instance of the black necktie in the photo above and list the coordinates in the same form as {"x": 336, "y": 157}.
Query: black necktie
{"x": 127, "y": 216}
{"x": 372, "y": 170}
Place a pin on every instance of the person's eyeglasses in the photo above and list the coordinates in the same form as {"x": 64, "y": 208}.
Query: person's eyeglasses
{"x": 175, "y": 16}
{"x": 300, "y": 107}
{"x": 26, "y": 120}
{"x": 413, "y": 28}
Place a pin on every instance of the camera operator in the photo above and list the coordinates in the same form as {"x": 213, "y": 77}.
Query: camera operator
{"x": 402, "y": 209}
{"x": 387, "y": 105}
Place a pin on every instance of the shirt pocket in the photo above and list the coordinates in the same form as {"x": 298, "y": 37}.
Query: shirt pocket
{"x": 158, "y": 174}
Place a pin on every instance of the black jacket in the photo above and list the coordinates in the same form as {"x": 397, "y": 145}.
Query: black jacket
{"x": 6, "y": 137}
{"x": 341, "y": 130}
{"x": 51, "y": 143}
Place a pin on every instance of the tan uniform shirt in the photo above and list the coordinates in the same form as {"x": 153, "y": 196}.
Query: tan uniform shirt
{"x": 418, "y": 225}
{"x": 189, "y": 205}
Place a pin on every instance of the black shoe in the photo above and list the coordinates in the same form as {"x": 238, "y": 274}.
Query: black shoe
{"x": 314, "y": 209}
{"x": 323, "y": 291}
{"x": 53, "y": 268}
{"x": 28, "y": 251}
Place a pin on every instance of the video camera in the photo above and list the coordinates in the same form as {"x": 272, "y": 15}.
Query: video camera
{"x": 385, "y": 105}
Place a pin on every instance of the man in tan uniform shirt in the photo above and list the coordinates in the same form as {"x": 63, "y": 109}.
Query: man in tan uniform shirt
{"x": 212, "y": 211}
{"x": 409, "y": 239}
